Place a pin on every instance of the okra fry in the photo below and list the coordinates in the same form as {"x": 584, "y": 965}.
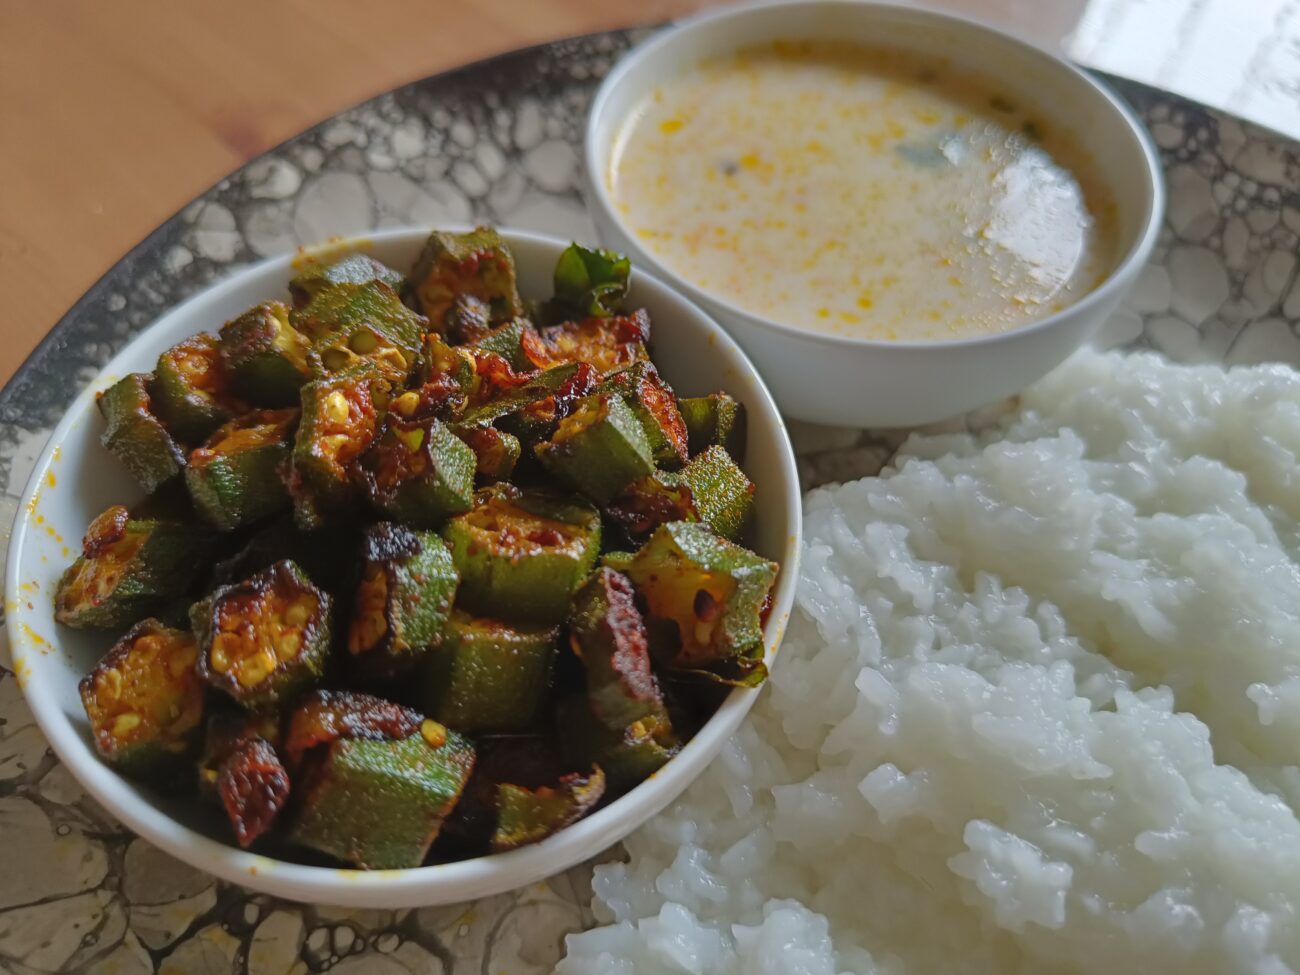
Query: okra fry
{"x": 607, "y": 632}
{"x": 254, "y": 787}
{"x": 238, "y": 475}
{"x": 527, "y": 815}
{"x": 135, "y": 435}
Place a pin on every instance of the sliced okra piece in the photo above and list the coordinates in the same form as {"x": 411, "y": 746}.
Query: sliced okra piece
{"x": 374, "y": 781}
{"x": 522, "y": 555}
{"x": 238, "y": 475}
{"x": 606, "y": 344}
{"x": 627, "y": 756}
{"x": 656, "y": 499}
{"x": 495, "y": 452}
{"x": 710, "y": 590}
{"x": 241, "y": 769}
{"x": 264, "y": 640}
{"x": 403, "y": 601}
{"x": 350, "y": 324}
{"x": 507, "y": 341}
{"x": 444, "y": 381}
{"x": 477, "y": 263}
{"x": 135, "y": 435}
{"x": 527, "y": 815}
{"x": 607, "y": 633}
{"x": 536, "y": 389}
{"x": 129, "y": 568}
{"x": 419, "y": 472}
{"x": 353, "y": 269}
{"x": 340, "y": 417}
{"x": 719, "y": 419}
{"x": 145, "y": 701}
{"x": 599, "y": 449}
{"x": 651, "y": 399}
{"x": 468, "y": 318}
{"x": 722, "y": 494}
{"x": 190, "y": 389}
{"x": 265, "y": 356}
{"x": 489, "y": 677}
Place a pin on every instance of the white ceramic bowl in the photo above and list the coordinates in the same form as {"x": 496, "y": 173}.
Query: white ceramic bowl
{"x": 76, "y": 478}
{"x": 835, "y": 379}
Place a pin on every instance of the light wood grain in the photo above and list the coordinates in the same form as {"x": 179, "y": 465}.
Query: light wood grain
{"x": 113, "y": 115}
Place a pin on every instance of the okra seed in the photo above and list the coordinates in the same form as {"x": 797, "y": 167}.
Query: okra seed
{"x": 336, "y": 407}
{"x": 406, "y": 403}
{"x": 288, "y": 646}
{"x": 218, "y": 659}
{"x": 363, "y": 342}
{"x": 124, "y": 724}
{"x": 258, "y": 668}
{"x": 434, "y": 733}
{"x": 112, "y": 684}
{"x": 299, "y": 612}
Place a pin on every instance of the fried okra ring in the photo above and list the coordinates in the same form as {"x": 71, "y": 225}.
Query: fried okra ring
{"x": 266, "y": 639}
{"x": 353, "y": 269}
{"x": 238, "y": 475}
{"x": 265, "y": 356}
{"x": 527, "y": 815}
{"x": 714, "y": 419}
{"x": 651, "y": 400}
{"x": 145, "y": 701}
{"x": 403, "y": 601}
{"x": 134, "y": 434}
{"x": 598, "y": 449}
{"x": 607, "y": 633}
{"x": 129, "y": 568}
{"x": 419, "y": 472}
{"x": 374, "y": 780}
{"x": 477, "y": 264}
{"x": 521, "y": 555}
{"x": 190, "y": 389}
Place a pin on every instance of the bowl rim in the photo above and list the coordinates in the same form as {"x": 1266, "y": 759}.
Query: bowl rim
{"x": 416, "y": 886}
{"x": 1118, "y": 278}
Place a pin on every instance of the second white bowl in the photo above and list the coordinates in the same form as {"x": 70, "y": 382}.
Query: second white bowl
{"x": 847, "y": 381}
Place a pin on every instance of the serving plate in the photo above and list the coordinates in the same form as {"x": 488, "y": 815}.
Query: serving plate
{"x": 496, "y": 141}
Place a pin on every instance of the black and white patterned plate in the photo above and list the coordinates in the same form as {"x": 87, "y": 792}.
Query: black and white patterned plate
{"x": 499, "y": 142}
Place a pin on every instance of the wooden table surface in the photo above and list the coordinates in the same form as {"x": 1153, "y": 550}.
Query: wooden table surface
{"x": 113, "y": 115}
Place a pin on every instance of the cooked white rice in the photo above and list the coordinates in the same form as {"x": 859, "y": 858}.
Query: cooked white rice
{"x": 1038, "y": 710}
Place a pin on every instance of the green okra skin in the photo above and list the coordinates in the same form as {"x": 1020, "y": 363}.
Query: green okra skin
{"x": 339, "y": 420}
{"x": 711, "y": 590}
{"x": 718, "y": 418}
{"x": 419, "y": 472}
{"x": 238, "y": 476}
{"x": 135, "y": 435}
{"x": 266, "y": 639}
{"x": 358, "y": 269}
{"x": 129, "y": 569}
{"x": 607, "y": 632}
{"x": 265, "y": 356}
{"x": 495, "y": 452}
{"x": 723, "y": 496}
{"x": 379, "y": 804}
{"x": 477, "y": 263}
{"x": 189, "y": 389}
{"x": 350, "y": 324}
{"x": 521, "y": 555}
{"x": 617, "y": 559}
{"x": 598, "y": 449}
{"x": 403, "y": 600}
{"x": 527, "y": 815}
{"x": 651, "y": 400}
{"x": 489, "y": 676}
{"x": 145, "y": 702}
{"x": 627, "y": 756}
{"x": 506, "y": 341}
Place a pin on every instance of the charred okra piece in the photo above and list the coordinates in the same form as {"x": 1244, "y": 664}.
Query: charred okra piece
{"x": 477, "y": 263}
{"x": 241, "y": 769}
{"x": 419, "y": 472}
{"x": 722, "y": 494}
{"x": 506, "y": 341}
{"x": 136, "y": 436}
{"x": 714, "y": 419}
{"x": 339, "y": 420}
{"x": 495, "y": 451}
{"x": 403, "y": 601}
{"x": 350, "y": 324}
{"x": 527, "y": 815}
{"x": 374, "y": 780}
{"x": 263, "y": 640}
{"x": 711, "y": 589}
{"x": 145, "y": 701}
{"x": 189, "y": 389}
{"x": 353, "y": 269}
{"x": 489, "y": 677}
{"x": 238, "y": 475}
{"x": 627, "y": 756}
{"x": 607, "y": 633}
{"x": 265, "y": 356}
{"x": 533, "y": 391}
{"x": 129, "y": 568}
{"x": 599, "y": 449}
{"x": 606, "y": 344}
{"x": 522, "y": 555}
{"x": 655, "y": 500}
{"x": 652, "y": 401}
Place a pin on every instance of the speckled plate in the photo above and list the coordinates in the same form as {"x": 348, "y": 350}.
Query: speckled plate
{"x": 496, "y": 141}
